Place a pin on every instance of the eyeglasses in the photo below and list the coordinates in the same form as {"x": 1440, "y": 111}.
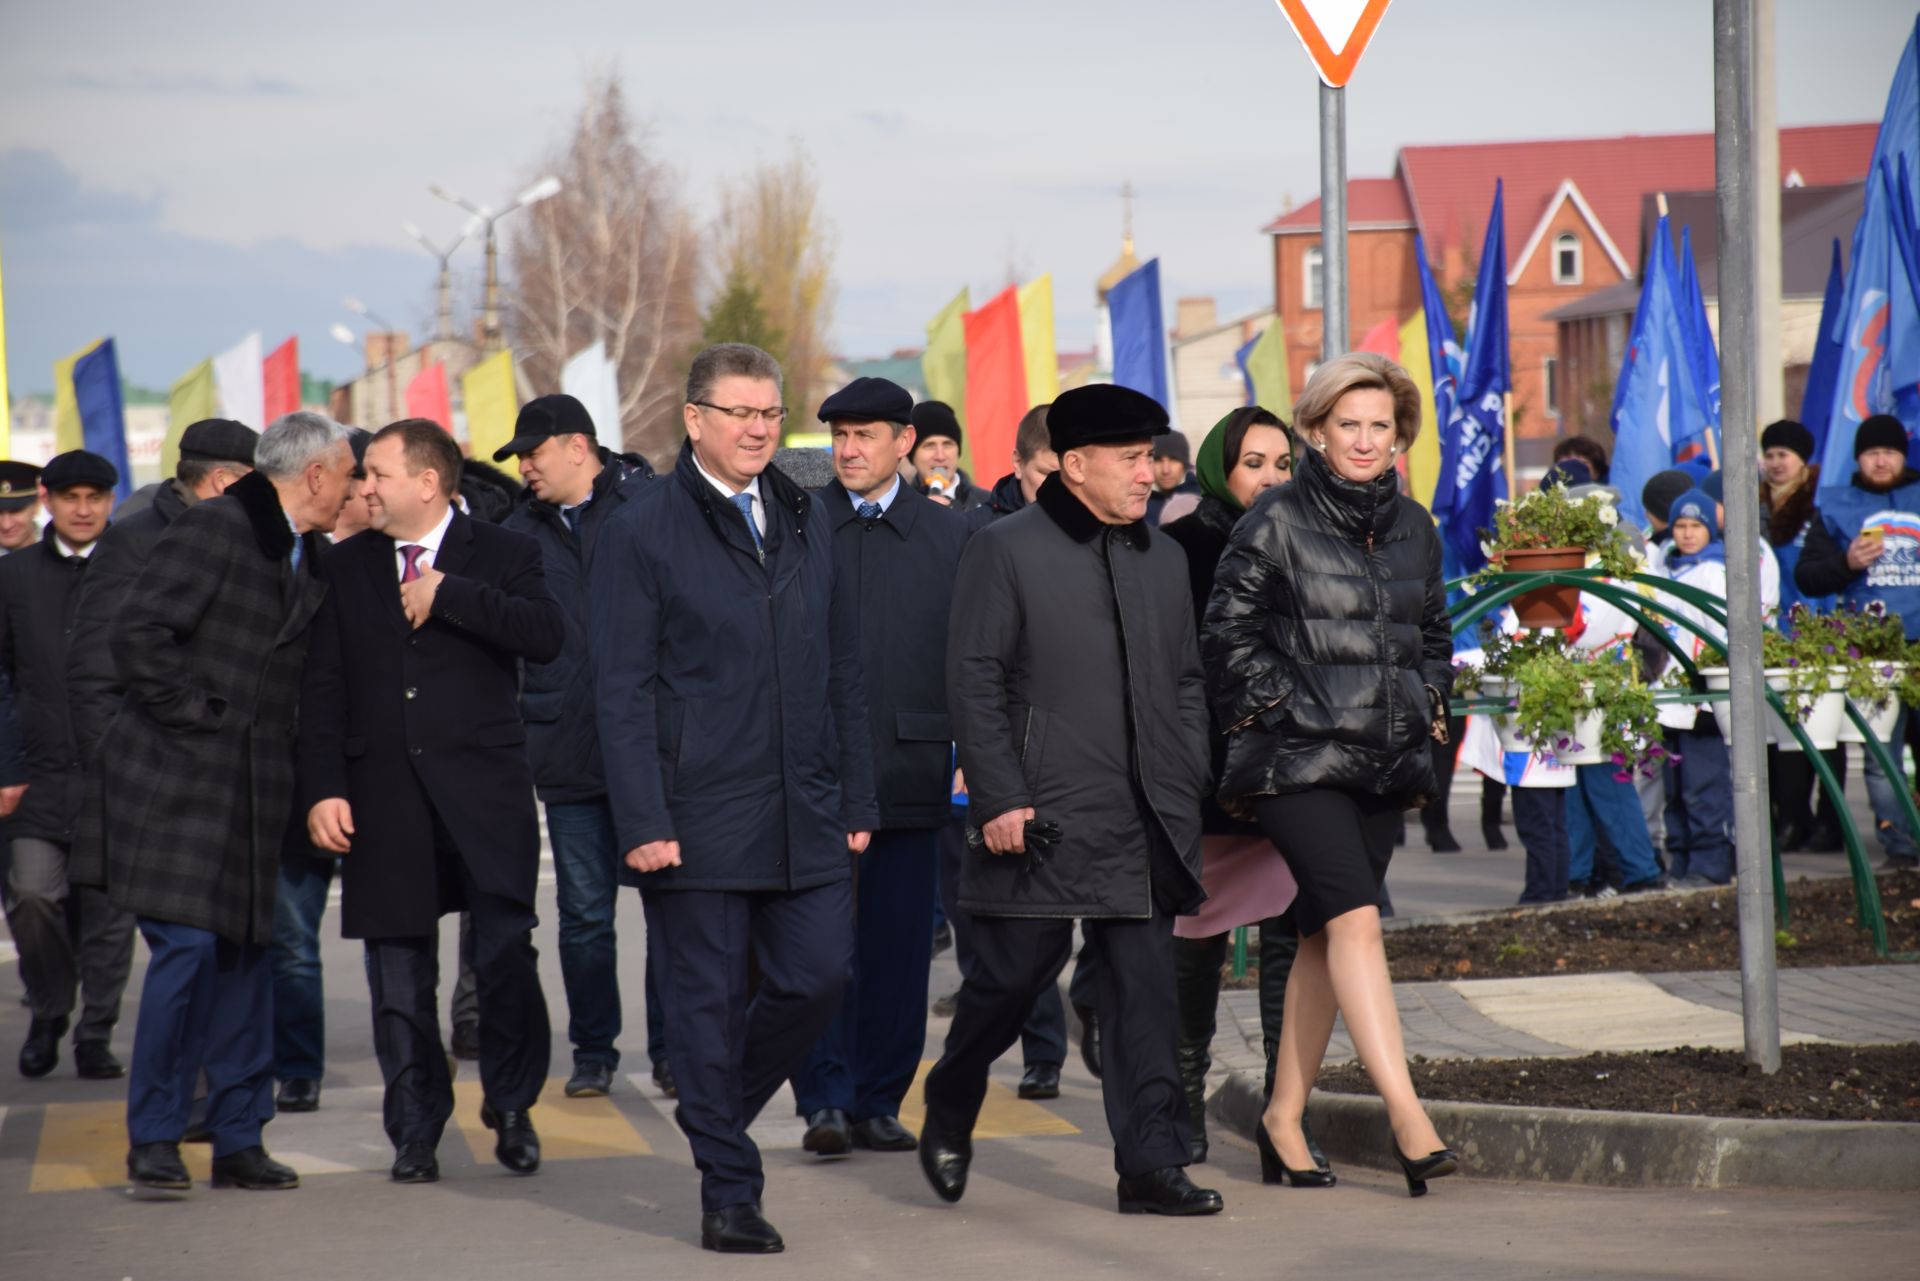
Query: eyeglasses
{"x": 747, "y": 413}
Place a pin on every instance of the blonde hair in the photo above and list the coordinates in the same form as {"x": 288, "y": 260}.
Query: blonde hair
{"x": 1359, "y": 371}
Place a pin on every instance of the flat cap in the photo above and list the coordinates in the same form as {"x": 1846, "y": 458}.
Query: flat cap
{"x": 1103, "y": 414}
{"x": 78, "y": 467}
{"x": 935, "y": 418}
{"x": 869, "y": 400}
{"x": 219, "y": 440}
{"x": 543, "y": 418}
{"x": 19, "y": 485}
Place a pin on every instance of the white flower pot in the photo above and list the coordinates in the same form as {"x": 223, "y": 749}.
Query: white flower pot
{"x": 1882, "y": 717}
{"x": 1584, "y": 748}
{"x": 1823, "y": 719}
{"x": 1719, "y": 678}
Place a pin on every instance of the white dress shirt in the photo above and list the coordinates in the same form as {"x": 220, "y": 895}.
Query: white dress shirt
{"x": 727, "y": 491}
{"x": 430, "y": 540}
{"x": 68, "y": 551}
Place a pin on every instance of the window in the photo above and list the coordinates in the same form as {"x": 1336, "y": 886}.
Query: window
{"x": 1566, "y": 259}
{"x": 1550, "y": 384}
{"x": 1313, "y": 263}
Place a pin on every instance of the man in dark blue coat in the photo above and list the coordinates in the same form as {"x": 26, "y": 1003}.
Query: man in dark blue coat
{"x": 574, "y": 487}
{"x": 899, "y": 551}
{"x": 734, "y": 730}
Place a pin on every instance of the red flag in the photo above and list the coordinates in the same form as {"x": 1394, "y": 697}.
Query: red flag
{"x": 996, "y": 383}
{"x": 1383, "y": 339}
{"x": 282, "y": 381}
{"x": 427, "y": 396}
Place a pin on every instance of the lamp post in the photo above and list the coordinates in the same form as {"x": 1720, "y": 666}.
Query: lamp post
{"x": 490, "y": 317}
{"x": 443, "y": 330}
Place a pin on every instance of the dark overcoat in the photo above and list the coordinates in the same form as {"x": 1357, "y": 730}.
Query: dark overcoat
{"x": 1327, "y": 645}
{"x": 189, "y": 794}
{"x": 901, "y": 567}
{"x": 556, "y": 699}
{"x": 408, "y": 723}
{"x": 39, "y": 587}
{"x": 1075, "y": 687}
{"x": 732, "y": 715}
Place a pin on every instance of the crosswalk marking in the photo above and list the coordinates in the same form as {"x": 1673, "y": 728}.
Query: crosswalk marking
{"x": 570, "y": 1129}
{"x": 1004, "y": 1115}
{"x": 83, "y": 1146}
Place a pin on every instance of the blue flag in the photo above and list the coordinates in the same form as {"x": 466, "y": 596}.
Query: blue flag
{"x": 1246, "y": 375}
{"x": 1139, "y": 334}
{"x": 1871, "y": 331}
{"x": 103, "y": 419}
{"x": 1659, "y": 416}
{"x": 1826, "y": 358}
{"x": 1701, "y": 356}
{"x": 1473, "y": 475}
{"x": 1443, "y": 350}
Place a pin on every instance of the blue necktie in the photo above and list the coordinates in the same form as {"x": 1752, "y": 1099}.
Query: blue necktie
{"x": 572, "y": 516}
{"x": 297, "y": 549}
{"x": 745, "y": 503}
{"x": 868, "y": 511}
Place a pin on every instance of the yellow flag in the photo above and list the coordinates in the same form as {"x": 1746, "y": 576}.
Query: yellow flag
{"x": 493, "y": 403}
{"x": 67, "y": 431}
{"x": 192, "y": 398}
{"x": 6, "y": 410}
{"x": 1267, "y": 364}
{"x": 1036, "y": 340}
{"x": 943, "y": 366}
{"x": 1423, "y": 460}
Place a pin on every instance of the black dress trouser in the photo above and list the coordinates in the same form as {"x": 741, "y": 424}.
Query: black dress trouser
{"x": 1134, "y": 998}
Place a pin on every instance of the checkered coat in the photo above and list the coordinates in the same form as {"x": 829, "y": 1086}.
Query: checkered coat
{"x": 189, "y": 795}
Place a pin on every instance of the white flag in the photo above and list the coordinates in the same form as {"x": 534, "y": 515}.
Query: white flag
{"x": 591, "y": 379}
{"x": 240, "y": 376}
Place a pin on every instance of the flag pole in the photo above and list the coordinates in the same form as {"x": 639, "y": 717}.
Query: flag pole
{"x": 1334, "y": 335}
{"x": 1506, "y": 444}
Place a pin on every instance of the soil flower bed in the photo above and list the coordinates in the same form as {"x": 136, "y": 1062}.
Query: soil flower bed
{"x": 1815, "y": 1082}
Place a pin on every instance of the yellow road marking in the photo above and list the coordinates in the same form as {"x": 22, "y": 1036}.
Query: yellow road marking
{"x": 1004, "y": 1115}
{"x": 83, "y": 1146}
{"x": 570, "y": 1129}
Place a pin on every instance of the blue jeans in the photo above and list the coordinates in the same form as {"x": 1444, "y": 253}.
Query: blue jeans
{"x": 586, "y": 867}
{"x": 1888, "y": 816}
{"x": 1699, "y": 805}
{"x": 1598, "y": 800}
{"x": 299, "y": 998}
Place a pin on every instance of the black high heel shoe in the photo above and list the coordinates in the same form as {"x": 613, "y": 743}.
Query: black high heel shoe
{"x": 1435, "y": 1165}
{"x": 1274, "y": 1170}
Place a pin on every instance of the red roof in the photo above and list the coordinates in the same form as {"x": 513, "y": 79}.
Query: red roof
{"x": 1450, "y": 188}
{"x": 1370, "y": 201}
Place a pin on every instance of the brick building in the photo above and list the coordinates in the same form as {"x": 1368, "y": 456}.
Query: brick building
{"x": 1573, "y": 229}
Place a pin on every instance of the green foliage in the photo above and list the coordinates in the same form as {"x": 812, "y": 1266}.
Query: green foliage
{"x": 738, "y": 316}
{"x": 1868, "y": 648}
{"x": 1511, "y": 950}
{"x": 1553, "y": 689}
{"x": 1553, "y": 518}
{"x": 1784, "y": 939}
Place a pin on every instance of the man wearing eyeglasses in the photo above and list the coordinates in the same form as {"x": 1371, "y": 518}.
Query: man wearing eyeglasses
{"x": 733, "y": 726}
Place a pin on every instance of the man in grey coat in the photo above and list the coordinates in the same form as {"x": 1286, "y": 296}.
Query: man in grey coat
{"x": 1078, "y": 705}
{"x": 210, "y": 644}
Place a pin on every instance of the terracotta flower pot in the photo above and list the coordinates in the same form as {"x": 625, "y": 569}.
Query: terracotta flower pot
{"x": 1545, "y": 606}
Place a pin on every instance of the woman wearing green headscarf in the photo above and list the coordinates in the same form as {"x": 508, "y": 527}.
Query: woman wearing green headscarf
{"x": 1247, "y": 452}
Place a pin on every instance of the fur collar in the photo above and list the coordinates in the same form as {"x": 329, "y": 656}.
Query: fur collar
{"x": 1785, "y": 522}
{"x": 261, "y": 502}
{"x": 1079, "y": 524}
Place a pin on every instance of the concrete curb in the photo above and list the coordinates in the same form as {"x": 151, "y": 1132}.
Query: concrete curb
{"x": 1609, "y": 1149}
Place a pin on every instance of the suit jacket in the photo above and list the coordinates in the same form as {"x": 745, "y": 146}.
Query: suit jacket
{"x": 38, "y": 589}
{"x": 189, "y": 793}
{"x": 407, "y": 723}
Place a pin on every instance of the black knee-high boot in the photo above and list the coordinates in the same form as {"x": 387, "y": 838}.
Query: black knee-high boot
{"x": 1197, "y": 965}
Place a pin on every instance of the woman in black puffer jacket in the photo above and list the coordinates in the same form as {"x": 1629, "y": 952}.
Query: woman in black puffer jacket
{"x": 1329, "y": 663}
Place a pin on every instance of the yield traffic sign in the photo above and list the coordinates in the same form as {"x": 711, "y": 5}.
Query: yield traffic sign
{"x": 1335, "y": 32}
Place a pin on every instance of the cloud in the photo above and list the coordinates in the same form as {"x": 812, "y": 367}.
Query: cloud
{"x": 177, "y": 84}
{"x": 38, "y": 192}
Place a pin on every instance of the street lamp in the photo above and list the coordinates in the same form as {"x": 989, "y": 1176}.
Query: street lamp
{"x": 444, "y": 329}
{"x": 485, "y": 217}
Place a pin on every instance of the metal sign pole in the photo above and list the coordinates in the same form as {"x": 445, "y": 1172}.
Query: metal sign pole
{"x": 1733, "y": 154}
{"x": 1333, "y": 221}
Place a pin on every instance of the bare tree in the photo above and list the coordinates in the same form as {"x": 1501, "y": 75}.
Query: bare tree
{"x": 614, "y": 257}
{"x": 771, "y": 234}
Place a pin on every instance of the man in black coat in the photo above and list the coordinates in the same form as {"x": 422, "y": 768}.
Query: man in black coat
{"x": 739, "y": 764}
{"x": 1079, "y": 709}
{"x": 84, "y": 943}
{"x": 574, "y": 487}
{"x": 191, "y": 790}
{"x": 414, "y": 770}
{"x": 898, "y": 551}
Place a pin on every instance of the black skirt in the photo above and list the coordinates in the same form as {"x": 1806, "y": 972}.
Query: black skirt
{"x": 1337, "y": 845}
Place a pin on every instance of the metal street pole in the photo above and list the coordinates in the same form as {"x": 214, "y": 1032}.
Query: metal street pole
{"x": 490, "y": 338}
{"x": 1733, "y": 155}
{"x": 1333, "y": 221}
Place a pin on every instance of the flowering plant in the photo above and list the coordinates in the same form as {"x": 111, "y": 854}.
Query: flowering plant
{"x": 1554, "y": 690}
{"x": 1868, "y": 648}
{"x": 1554, "y": 518}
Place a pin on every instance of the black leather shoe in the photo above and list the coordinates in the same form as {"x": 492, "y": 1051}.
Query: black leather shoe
{"x": 1791, "y": 838}
{"x": 298, "y": 1094}
{"x": 158, "y": 1167}
{"x": 739, "y": 1229}
{"x": 828, "y": 1133}
{"x": 1494, "y": 837}
{"x": 1440, "y": 840}
{"x": 883, "y": 1134}
{"x": 944, "y": 1161}
{"x": 41, "y": 1052}
{"x": 663, "y": 1080}
{"x": 1041, "y": 1081}
{"x": 1167, "y": 1191}
{"x": 416, "y": 1164}
{"x": 590, "y": 1081}
{"x": 942, "y": 938}
{"x": 94, "y": 1061}
{"x": 253, "y": 1169}
{"x": 1089, "y": 1039}
{"x": 518, "y": 1147}
{"x": 466, "y": 1041}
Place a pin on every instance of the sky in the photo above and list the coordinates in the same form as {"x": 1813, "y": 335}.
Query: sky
{"x": 176, "y": 175}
